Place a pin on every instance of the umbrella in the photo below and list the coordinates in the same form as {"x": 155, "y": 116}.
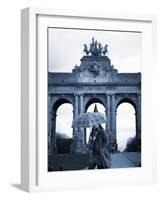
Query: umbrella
{"x": 88, "y": 119}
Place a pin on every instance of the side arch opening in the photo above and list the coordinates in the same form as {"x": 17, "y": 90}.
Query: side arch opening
{"x": 62, "y": 131}
{"x": 126, "y": 124}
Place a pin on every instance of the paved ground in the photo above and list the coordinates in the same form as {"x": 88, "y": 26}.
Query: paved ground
{"x": 134, "y": 157}
{"x": 78, "y": 162}
{"x": 119, "y": 160}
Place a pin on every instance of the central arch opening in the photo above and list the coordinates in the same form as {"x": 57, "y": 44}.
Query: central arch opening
{"x": 94, "y": 105}
{"x": 126, "y": 125}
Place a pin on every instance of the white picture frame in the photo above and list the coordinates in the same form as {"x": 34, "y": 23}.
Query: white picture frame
{"x": 34, "y": 176}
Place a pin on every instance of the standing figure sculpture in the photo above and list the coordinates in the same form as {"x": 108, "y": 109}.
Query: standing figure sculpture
{"x": 86, "y": 49}
{"x": 98, "y": 149}
{"x": 95, "y": 48}
{"x": 92, "y": 47}
{"x": 104, "y": 51}
{"x": 100, "y": 48}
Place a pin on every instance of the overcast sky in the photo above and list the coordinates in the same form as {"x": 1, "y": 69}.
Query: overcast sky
{"x": 66, "y": 48}
{"x": 124, "y": 50}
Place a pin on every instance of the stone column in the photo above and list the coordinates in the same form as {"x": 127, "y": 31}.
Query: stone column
{"x": 75, "y": 130}
{"x": 53, "y": 133}
{"x": 113, "y": 122}
{"x": 78, "y": 133}
{"x": 138, "y": 121}
{"x": 75, "y": 112}
{"x": 75, "y": 106}
{"x": 50, "y": 125}
{"x": 49, "y": 132}
{"x": 81, "y": 109}
{"x": 108, "y": 114}
{"x": 49, "y": 122}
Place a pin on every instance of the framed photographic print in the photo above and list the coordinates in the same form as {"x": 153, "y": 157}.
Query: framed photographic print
{"x": 86, "y": 114}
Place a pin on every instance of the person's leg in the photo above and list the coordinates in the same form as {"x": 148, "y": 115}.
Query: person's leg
{"x": 92, "y": 164}
{"x": 100, "y": 167}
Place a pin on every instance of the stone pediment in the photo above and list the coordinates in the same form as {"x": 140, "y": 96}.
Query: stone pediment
{"x": 94, "y": 66}
{"x": 95, "y": 63}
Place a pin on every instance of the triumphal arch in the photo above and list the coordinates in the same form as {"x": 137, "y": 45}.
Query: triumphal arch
{"x": 95, "y": 80}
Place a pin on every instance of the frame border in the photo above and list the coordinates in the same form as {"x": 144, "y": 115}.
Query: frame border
{"x": 29, "y": 144}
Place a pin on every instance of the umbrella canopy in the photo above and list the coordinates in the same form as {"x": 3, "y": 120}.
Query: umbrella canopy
{"x": 88, "y": 119}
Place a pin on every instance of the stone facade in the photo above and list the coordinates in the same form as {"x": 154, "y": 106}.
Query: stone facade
{"x": 95, "y": 80}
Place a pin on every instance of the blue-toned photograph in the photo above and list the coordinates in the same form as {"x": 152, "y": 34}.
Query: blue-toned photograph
{"x": 94, "y": 99}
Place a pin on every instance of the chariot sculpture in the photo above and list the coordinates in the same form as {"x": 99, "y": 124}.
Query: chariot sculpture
{"x": 95, "y": 49}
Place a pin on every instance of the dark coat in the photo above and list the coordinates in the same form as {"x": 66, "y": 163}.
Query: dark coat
{"x": 98, "y": 146}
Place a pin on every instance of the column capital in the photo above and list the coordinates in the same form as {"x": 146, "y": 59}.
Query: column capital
{"x": 110, "y": 94}
{"x": 76, "y": 94}
{"x": 81, "y": 94}
{"x": 53, "y": 114}
{"x": 50, "y": 96}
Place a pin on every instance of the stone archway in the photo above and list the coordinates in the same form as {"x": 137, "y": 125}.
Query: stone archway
{"x": 125, "y": 125}
{"x": 52, "y": 123}
{"x": 129, "y": 100}
{"x": 94, "y": 80}
{"x": 135, "y": 101}
{"x": 94, "y": 101}
{"x": 64, "y": 131}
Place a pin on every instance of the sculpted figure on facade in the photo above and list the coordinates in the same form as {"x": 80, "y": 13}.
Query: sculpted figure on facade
{"x": 100, "y": 48}
{"x": 86, "y": 49}
{"x": 104, "y": 51}
{"x": 95, "y": 69}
